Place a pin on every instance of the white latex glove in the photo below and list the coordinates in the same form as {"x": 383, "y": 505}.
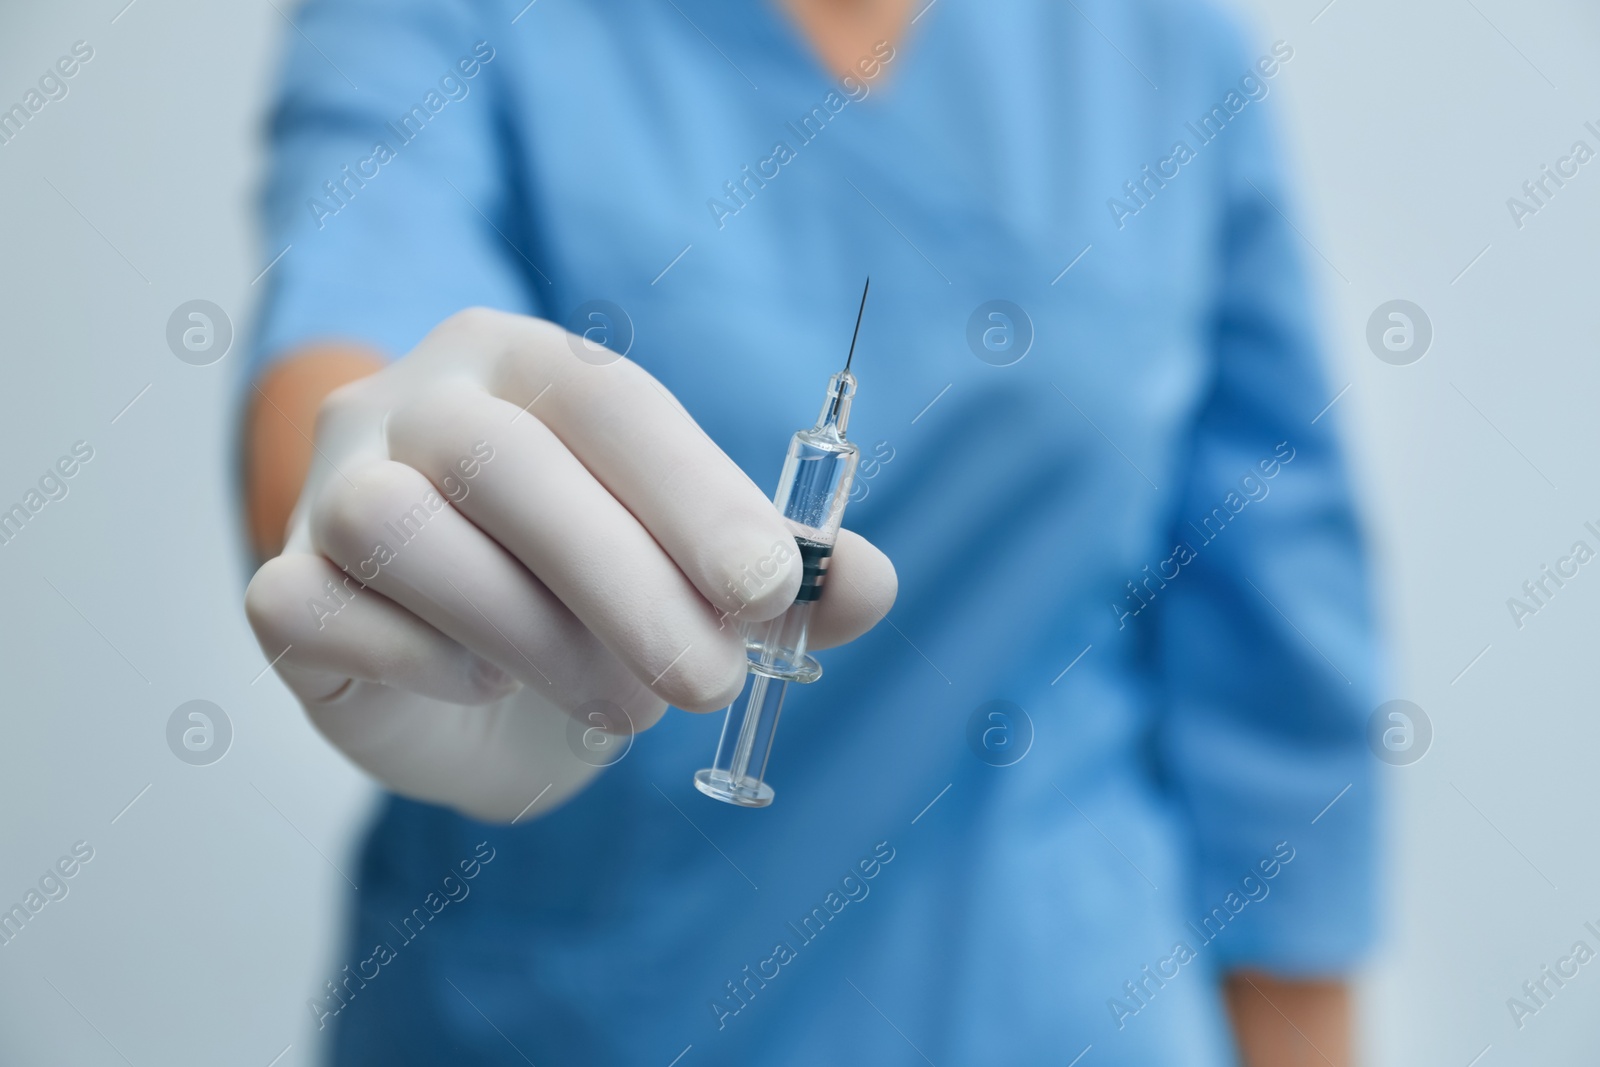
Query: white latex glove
{"x": 498, "y": 536}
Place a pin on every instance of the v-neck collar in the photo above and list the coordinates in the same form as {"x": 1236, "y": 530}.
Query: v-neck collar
{"x": 803, "y": 48}
{"x": 789, "y": 48}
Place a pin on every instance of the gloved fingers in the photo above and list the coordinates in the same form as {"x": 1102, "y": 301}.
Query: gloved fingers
{"x": 348, "y": 436}
{"x": 508, "y": 761}
{"x": 531, "y": 494}
{"x": 859, "y": 590}
{"x": 321, "y": 629}
{"x": 639, "y": 442}
{"x": 390, "y": 528}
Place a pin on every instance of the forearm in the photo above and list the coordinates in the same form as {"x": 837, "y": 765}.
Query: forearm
{"x": 283, "y": 416}
{"x": 1279, "y": 1022}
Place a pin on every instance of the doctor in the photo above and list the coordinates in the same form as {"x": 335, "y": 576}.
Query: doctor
{"x": 1063, "y": 800}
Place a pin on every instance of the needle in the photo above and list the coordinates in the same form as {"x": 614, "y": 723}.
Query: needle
{"x": 857, "y": 332}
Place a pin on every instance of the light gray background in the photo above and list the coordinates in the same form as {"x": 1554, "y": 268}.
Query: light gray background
{"x": 210, "y": 910}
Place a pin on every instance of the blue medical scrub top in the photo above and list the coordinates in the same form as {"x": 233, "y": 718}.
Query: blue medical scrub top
{"x": 1086, "y": 763}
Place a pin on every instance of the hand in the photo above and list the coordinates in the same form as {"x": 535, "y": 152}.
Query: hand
{"x": 497, "y": 536}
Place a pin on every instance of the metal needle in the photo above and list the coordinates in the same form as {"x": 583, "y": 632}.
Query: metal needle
{"x": 857, "y": 332}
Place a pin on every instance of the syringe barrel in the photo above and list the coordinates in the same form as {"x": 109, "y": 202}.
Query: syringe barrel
{"x": 738, "y": 773}
{"x": 813, "y": 489}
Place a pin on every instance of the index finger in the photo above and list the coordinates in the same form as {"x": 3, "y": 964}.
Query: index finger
{"x": 636, "y": 439}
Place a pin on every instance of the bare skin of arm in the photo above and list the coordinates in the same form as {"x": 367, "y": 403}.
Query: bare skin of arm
{"x": 1277, "y": 1022}
{"x": 1281, "y": 1022}
{"x": 283, "y": 418}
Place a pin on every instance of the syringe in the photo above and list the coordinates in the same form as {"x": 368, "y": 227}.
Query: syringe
{"x": 812, "y": 492}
